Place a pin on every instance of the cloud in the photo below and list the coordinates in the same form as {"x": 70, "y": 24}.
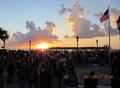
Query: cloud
{"x": 81, "y": 26}
{"x": 66, "y": 36}
{"x": 98, "y": 14}
{"x": 35, "y": 34}
{"x": 63, "y": 10}
{"x": 114, "y": 13}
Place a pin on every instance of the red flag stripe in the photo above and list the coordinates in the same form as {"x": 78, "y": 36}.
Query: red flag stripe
{"x": 105, "y": 16}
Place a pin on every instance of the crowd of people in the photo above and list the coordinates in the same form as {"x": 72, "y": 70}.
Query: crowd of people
{"x": 36, "y": 69}
{"x": 115, "y": 82}
{"x": 48, "y": 69}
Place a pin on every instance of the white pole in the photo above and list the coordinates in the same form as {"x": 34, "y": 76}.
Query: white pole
{"x": 109, "y": 35}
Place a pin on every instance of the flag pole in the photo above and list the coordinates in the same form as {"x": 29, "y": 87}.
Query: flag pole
{"x": 109, "y": 35}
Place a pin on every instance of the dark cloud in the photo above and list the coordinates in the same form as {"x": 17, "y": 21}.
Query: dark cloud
{"x": 64, "y": 10}
{"x": 35, "y": 34}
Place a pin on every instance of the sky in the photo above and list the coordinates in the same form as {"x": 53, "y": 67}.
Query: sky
{"x": 58, "y": 22}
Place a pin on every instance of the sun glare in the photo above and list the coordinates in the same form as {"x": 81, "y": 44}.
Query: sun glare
{"x": 43, "y": 46}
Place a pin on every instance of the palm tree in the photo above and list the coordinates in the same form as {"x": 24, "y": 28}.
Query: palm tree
{"x": 3, "y": 36}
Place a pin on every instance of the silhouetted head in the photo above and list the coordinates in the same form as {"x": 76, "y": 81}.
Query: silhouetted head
{"x": 115, "y": 59}
{"x": 92, "y": 73}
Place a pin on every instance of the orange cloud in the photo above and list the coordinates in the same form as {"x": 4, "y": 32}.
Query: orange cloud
{"x": 113, "y": 21}
{"x": 35, "y": 34}
{"x": 69, "y": 21}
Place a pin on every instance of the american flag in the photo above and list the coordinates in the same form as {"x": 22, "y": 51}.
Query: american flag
{"x": 105, "y": 16}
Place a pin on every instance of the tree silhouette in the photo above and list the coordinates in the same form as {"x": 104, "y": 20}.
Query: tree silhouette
{"x": 3, "y": 36}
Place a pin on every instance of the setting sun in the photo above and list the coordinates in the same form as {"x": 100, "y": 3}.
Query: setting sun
{"x": 43, "y": 46}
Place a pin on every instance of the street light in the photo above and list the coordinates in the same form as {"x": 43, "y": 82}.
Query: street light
{"x": 77, "y": 39}
{"x": 29, "y": 45}
{"x": 97, "y": 43}
{"x": 118, "y": 25}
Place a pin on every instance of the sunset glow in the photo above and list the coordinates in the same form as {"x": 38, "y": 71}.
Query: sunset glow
{"x": 57, "y": 23}
{"x": 43, "y": 46}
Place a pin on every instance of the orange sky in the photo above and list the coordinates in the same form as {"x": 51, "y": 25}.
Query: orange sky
{"x": 51, "y": 22}
{"x": 91, "y": 42}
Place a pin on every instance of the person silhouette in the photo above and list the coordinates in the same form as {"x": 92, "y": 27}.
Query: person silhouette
{"x": 91, "y": 81}
{"x": 115, "y": 81}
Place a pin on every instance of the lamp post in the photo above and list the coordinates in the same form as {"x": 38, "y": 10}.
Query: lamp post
{"x": 29, "y": 45}
{"x": 118, "y": 25}
{"x": 96, "y": 43}
{"x": 77, "y": 39}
